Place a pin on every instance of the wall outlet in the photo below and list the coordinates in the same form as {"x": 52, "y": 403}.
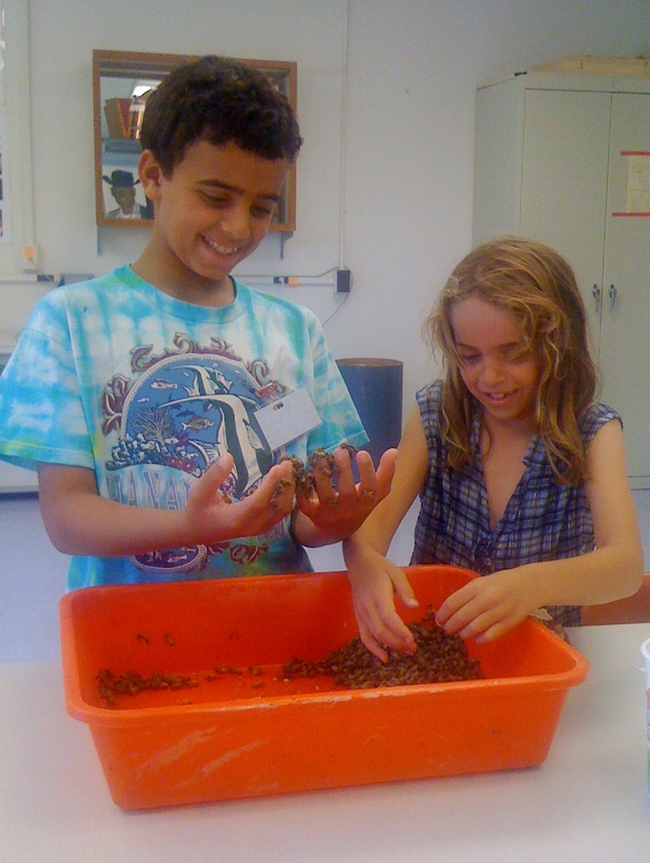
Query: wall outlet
{"x": 343, "y": 280}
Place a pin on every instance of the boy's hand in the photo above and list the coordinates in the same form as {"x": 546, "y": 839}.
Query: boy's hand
{"x": 75, "y": 515}
{"x": 374, "y": 581}
{"x": 337, "y": 508}
{"x": 212, "y": 518}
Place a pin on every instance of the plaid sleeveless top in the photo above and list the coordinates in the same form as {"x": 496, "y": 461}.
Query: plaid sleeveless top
{"x": 543, "y": 520}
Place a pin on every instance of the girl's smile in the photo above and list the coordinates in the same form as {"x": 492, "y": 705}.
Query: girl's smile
{"x": 496, "y": 366}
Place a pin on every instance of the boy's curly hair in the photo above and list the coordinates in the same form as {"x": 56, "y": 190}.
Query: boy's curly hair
{"x": 536, "y": 285}
{"x": 218, "y": 100}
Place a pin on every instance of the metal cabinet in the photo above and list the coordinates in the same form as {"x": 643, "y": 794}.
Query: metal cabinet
{"x": 565, "y": 159}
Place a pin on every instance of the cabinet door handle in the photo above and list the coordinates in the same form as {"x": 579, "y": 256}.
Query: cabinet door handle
{"x": 613, "y": 294}
{"x": 595, "y": 292}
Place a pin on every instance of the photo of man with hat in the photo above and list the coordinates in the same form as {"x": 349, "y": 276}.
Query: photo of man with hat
{"x": 123, "y": 190}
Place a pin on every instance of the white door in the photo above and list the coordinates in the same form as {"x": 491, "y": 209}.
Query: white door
{"x": 569, "y": 172}
{"x": 564, "y": 183}
{"x": 625, "y": 330}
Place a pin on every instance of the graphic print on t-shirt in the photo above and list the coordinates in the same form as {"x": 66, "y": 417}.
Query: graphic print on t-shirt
{"x": 183, "y": 410}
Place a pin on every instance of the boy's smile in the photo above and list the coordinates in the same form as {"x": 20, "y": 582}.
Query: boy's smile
{"x": 209, "y": 215}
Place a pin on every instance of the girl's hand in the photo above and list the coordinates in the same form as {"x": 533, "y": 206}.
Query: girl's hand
{"x": 374, "y": 580}
{"x": 337, "y": 509}
{"x": 487, "y": 607}
{"x": 212, "y": 518}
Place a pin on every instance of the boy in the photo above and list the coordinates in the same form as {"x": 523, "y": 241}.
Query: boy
{"x": 139, "y": 395}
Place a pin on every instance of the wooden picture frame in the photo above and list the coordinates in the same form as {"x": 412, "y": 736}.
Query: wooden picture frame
{"x": 116, "y": 117}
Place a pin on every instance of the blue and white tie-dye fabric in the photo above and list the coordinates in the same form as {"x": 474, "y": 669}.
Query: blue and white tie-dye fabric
{"x": 147, "y": 391}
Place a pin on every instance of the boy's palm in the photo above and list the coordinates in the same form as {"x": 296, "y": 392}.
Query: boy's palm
{"x": 214, "y": 519}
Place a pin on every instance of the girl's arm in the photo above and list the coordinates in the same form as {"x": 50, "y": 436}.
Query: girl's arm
{"x": 374, "y": 578}
{"x": 80, "y": 522}
{"x": 489, "y": 606}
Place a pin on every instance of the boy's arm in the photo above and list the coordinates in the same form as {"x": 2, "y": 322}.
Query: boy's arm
{"x": 489, "y": 606}
{"x": 80, "y": 522}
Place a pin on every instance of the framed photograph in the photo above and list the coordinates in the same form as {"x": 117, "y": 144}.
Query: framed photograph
{"x": 122, "y": 82}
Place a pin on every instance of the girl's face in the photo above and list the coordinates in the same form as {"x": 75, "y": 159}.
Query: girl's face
{"x": 496, "y": 366}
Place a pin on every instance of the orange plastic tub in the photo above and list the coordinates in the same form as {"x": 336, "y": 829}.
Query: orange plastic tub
{"x": 253, "y": 733}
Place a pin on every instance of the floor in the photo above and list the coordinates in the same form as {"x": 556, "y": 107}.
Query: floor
{"x": 33, "y": 574}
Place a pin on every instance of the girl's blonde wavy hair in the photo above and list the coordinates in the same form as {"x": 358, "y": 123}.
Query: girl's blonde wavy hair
{"x": 538, "y": 287}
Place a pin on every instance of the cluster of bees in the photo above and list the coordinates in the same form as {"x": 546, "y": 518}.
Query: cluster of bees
{"x": 304, "y": 476}
{"x": 439, "y": 658}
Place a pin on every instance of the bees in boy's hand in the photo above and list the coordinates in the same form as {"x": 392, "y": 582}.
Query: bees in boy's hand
{"x": 323, "y": 461}
{"x": 303, "y": 480}
{"x": 280, "y": 487}
{"x": 318, "y": 461}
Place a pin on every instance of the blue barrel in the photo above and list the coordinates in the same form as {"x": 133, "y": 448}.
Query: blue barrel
{"x": 376, "y": 389}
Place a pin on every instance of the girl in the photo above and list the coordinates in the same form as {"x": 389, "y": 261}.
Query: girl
{"x": 521, "y": 474}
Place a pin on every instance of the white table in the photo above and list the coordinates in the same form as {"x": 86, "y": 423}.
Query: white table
{"x": 587, "y": 802}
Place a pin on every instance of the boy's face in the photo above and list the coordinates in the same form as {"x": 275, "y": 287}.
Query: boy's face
{"x": 212, "y": 212}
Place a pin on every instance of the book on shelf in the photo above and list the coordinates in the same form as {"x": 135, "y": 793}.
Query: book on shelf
{"x": 118, "y": 117}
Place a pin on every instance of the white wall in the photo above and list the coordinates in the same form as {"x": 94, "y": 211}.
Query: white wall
{"x": 406, "y": 115}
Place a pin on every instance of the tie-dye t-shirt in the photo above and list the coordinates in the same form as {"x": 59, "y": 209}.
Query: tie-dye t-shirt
{"x": 147, "y": 391}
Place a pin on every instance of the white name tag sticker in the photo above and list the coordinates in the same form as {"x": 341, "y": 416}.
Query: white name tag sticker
{"x": 287, "y": 418}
